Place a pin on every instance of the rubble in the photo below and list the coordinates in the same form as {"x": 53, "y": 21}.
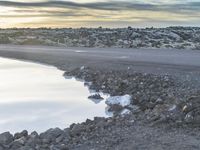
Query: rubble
{"x": 170, "y": 37}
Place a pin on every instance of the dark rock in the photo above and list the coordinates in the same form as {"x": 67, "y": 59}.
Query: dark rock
{"x": 33, "y": 139}
{"x": 2, "y": 147}
{"x": 76, "y": 129}
{"x": 18, "y": 143}
{"x": 95, "y": 96}
{"x": 51, "y": 134}
{"x": 6, "y": 138}
{"x": 115, "y": 108}
{"x": 26, "y": 148}
{"x": 21, "y": 134}
{"x": 191, "y": 109}
{"x": 34, "y": 134}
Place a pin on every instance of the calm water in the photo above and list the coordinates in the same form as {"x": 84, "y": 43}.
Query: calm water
{"x": 38, "y": 97}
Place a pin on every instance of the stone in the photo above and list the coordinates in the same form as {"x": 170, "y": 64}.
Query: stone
{"x": 21, "y": 134}
{"x": 34, "y": 134}
{"x": 51, "y": 134}
{"x": 26, "y": 148}
{"x": 95, "y": 96}
{"x": 76, "y": 129}
{"x": 2, "y": 147}
{"x": 18, "y": 143}
{"x": 123, "y": 101}
{"x": 115, "y": 108}
{"x": 125, "y": 112}
{"x": 6, "y": 138}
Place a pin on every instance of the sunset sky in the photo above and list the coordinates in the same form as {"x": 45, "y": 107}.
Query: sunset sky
{"x": 93, "y": 13}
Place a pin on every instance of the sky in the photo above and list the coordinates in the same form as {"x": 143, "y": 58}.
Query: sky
{"x": 93, "y": 13}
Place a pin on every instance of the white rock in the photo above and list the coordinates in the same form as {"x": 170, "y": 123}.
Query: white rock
{"x": 172, "y": 108}
{"x": 119, "y": 100}
{"x": 82, "y": 68}
{"x": 125, "y": 112}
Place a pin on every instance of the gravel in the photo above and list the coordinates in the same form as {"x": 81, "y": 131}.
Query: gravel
{"x": 171, "y": 37}
{"x": 163, "y": 114}
{"x": 158, "y": 107}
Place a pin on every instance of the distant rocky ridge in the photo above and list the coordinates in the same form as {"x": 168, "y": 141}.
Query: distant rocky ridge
{"x": 171, "y": 37}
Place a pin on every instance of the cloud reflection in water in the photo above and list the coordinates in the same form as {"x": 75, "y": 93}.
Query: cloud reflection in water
{"x": 38, "y": 97}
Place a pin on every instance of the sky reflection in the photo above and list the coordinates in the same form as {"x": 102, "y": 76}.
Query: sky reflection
{"x": 38, "y": 97}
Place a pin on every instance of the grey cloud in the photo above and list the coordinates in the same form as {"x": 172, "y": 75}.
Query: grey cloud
{"x": 112, "y": 5}
{"x": 66, "y": 4}
{"x": 46, "y": 13}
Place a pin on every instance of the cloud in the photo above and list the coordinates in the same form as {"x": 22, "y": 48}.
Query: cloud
{"x": 82, "y": 12}
{"x": 47, "y": 13}
{"x": 111, "y": 5}
{"x": 67, "y": 4}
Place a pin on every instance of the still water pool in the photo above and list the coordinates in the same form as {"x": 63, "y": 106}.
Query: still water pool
{"x": 37, "y": 97}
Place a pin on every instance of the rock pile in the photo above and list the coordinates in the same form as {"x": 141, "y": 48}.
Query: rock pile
{"x": 171, "y": 37}
{"x": 153, "y": 98}
{"x": 57, "y": 139}
{"x": 136, "y": 98}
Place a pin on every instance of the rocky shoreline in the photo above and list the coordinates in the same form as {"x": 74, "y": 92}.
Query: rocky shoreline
{"x": 161, "y": 106}
{"x": 153, "y": 97}
{"x": 165, "y": 38}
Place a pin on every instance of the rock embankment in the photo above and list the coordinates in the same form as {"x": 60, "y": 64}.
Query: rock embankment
{"x": 139, "y": 101}
{"x": 152, "y": 97}
{"x": 88, "y": 133}
{"x": 171, "y": 37}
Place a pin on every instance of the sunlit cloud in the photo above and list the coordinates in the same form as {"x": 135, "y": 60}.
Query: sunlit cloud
{"x": 93, "y": 13}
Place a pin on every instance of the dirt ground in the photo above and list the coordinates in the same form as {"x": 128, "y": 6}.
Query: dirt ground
{"x": 166, "y": 91}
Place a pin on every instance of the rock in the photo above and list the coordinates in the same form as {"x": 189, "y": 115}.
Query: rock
{"x": 172, "y": 108}
{"x": 53, "y": 147}
{"x": 134, "y": 108}
{"x": 26, "y": 148}
{"x": 95, "y": 96}
{"x": 33, "y": 139}
{"x": 6, "y": 138}
{"x": 2, "y": 147}
{"x": 191, "y": 109}
{"x": 21, "y": 134}
{"x": 125, "y": 112}
{"x": 18, "y": 143}
{"x": 46, "y": 140}
{"x": 159, "y": 101}
{"x": 64, "y": 147}
{"x": 64, "y": 137}
{"x": 59, "y": 139}
{"x": 119, "y": 100}
{"x": 87, "y": 84}
{"x": 189, "y": 118}
{"x": 34, "y": 134}
{"x": 115, "y": 108}
{"x": 100, "y": 123}
{"x": 191, "y": 104}
{"x": 126, "y": 38}
{"x": 51, "y": 134}
{"x": 82, "y": 68}
{"x": 59, "y": 147}
{"x": 76, "y": 129}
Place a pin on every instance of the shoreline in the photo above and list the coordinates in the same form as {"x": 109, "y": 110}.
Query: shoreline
{"x": 160, "y": 113}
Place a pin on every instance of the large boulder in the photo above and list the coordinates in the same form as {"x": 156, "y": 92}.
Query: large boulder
{"x": 191, "y": 109}
{"x": 122, "y": 101}
{"x": 6, "y": 138}
{"x": 21, "y": 134}
{"x": 51, "y": 134}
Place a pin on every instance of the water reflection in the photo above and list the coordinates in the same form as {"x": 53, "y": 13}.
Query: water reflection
{"x": 38, "y": 97}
